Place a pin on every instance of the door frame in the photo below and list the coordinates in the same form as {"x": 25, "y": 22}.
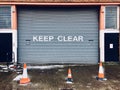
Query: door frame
{"x": 108, "y": 31}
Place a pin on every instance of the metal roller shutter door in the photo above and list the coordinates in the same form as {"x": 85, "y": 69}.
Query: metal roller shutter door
{"x": 58, "y": 35}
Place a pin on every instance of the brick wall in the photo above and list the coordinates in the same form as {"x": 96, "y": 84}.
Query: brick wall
{"x": 80, "y": 1}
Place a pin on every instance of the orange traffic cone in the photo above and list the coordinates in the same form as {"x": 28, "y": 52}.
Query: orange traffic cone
{"x": 101, "y": 75}
{"x": 24, "y": 79}
{"x": 69, "y": 78}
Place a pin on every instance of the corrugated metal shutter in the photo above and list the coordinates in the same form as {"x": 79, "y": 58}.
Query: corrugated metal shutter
{"x": 36, "y": 23}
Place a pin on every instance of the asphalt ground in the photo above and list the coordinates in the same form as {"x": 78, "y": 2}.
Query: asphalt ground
{"x": 84, "y": 78}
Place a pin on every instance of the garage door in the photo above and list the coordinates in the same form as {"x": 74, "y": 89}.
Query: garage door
{"x": 57, "y": 35}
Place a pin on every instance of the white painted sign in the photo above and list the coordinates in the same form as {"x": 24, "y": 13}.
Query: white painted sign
{"x": 60, "y": 38}
{"x": 111, "y": 46}
{"x": 42, "y": 38}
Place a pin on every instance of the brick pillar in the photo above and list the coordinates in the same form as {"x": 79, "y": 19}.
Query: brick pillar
{"x": 101, "y": 32}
